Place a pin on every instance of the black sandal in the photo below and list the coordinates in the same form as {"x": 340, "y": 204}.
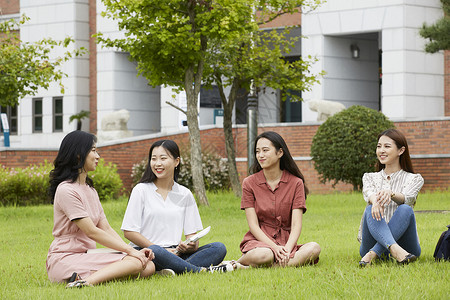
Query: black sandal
{"x": 408, "y": 259}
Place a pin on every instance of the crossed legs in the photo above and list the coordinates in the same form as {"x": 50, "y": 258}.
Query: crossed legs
{"x": 264, "y": 257}
{"x": 128, "y": 266}
{"x": 396, "y": 238}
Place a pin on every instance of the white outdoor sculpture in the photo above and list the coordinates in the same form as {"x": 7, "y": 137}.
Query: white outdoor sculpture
{"x": 325, "y": 108}
{"x": 114, "y": 126}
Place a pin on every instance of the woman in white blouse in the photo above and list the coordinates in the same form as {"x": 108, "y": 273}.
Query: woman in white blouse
{"x": 388, "y": 226}
{"x": 160, "y": 211}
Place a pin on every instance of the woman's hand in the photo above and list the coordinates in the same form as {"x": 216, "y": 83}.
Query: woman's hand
{"x": 377, "y": 211}
{"x": 383, "y": 197}
{"x": 144, "y": 255}
{"x": 281, "y": 255}
{"x": 187, "y": 248}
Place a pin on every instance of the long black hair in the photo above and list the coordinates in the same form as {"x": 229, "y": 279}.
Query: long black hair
{"x": 173, "y": 150}
{"x": 286, "y": 161}
{"x": 400, "y": 141}
{"x": 72, "y": 154}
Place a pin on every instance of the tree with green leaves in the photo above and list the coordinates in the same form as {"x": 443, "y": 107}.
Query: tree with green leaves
{"x": 258, "y": 57}
{"x": 343, "y": 148}
{"x": 171, "y": 43}
{"x": 439, "y": 32}
{"x": 79, "y": 117}
{"x": 184, "y": 43}
{"x": 25, "y": 67}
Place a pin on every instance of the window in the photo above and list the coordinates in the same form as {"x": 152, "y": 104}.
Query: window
{"x": 11, "y": 112}
{"x": 290, "y": 111}
{"x": 57, "y": 114}
{"x": 37, "y": 115}
{"x": 210, "y": 97}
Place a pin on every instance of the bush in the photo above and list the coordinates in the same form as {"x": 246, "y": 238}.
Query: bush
{"x": 215, "y": 172}
{"x": 25, "y": 186}
{"x": 29, "y": 186}
{"x": 107, "y": 181}
{"x": 343, "y": 148}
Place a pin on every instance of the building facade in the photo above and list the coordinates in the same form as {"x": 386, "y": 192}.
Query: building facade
{"x": 373, "y": 55}
{"x": 370, "y": 50}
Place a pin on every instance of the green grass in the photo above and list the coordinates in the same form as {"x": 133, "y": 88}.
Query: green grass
{"x": 331, "y": 220}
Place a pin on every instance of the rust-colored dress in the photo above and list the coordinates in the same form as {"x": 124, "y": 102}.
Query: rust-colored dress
{"x": 273, "y": 208}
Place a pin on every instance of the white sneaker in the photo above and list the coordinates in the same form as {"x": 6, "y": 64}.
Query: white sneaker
{"x": 228, "y": 267}
{"x": 77, "y": 284}
{"x": 166, "y": 273}
{"x": 235, "y": 264}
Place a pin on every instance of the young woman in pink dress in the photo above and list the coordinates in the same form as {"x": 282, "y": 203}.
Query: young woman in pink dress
{"x": 274, "y": 202}
{"x": 80, "y": 223}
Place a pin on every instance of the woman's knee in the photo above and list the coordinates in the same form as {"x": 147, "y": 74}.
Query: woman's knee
{"x": 405, "y": 208}
{"x": 149, "y": 270}
{"x": 260, "y": 256}
{"x": 135, "y": 264}
{"x": 220, "y": 248}
{"x": 265, "y": 256}
{"x": 156, "y": 249}
{"x": 313, "y": 248}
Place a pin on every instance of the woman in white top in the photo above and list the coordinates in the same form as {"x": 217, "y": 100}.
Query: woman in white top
{"x": 160, "y": 210}
{"x": 388, "y": 226}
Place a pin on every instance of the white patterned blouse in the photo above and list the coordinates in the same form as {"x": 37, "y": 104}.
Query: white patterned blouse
{"x": 403, "y": 182}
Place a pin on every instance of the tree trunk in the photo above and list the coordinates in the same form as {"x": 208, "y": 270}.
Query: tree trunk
{"x": 228, "y": 132}
{"x": 192, "y": 83}
{"x": 194, "y": 135}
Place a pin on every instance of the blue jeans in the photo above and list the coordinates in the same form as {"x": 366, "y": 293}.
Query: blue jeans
{"x": 205, "y": 256}
{"x": 379, "y": 236}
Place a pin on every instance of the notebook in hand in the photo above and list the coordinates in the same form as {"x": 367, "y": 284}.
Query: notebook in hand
{"x": 197, "y": 236}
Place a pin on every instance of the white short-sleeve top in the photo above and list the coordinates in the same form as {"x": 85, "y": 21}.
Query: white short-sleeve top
{"x": 161, "y": 221}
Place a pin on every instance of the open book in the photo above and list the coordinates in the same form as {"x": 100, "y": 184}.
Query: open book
{"x": 197, "y": 236}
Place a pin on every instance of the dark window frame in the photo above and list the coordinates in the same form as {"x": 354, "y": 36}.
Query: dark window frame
{"x": 58, "y": 114}
{"x": 290, "y": 112}
{"x": 36, "y": 116}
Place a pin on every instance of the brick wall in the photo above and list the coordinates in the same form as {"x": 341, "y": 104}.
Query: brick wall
{"x": 294, "y": 19}
{"x": 9, "y": 7}
{"x": 426, "y": 138}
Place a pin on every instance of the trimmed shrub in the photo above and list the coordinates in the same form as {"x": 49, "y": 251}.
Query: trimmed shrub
{"x": 343, "y": 148}
{"x": 29, "y": 186}
{"x": 215, "y": 172}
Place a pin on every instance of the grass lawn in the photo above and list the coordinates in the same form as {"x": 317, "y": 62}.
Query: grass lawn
{"x": 331, "y": 220}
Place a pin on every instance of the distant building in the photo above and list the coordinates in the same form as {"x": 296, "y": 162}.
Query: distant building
{"x": 371, "y": 51}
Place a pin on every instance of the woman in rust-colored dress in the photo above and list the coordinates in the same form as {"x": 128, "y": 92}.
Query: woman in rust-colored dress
{"x": 274, "y": 202}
